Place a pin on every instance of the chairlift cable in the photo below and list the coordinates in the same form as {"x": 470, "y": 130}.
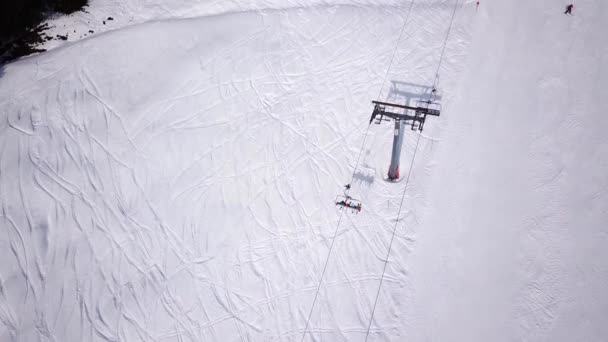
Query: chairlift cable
{"x": 390, "y": 64}
{"x": 354, "y": 171}
{"x": 331, "y": 246}
{"x": 408, "y": 178}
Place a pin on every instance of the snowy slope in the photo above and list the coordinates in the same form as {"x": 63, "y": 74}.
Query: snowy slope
{"x": 518, "y": 225}
{"x": 107, "y": 15}
{"x": 173, "y": 180}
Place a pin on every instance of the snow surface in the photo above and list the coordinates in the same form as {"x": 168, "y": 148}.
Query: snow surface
{"x": 173, "y": 178}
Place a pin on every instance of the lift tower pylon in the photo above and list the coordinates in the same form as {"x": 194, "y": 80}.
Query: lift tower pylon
{"x": 417, "y": 123}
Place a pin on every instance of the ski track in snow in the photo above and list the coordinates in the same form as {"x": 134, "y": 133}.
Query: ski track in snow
{"x": 173, "y": 181}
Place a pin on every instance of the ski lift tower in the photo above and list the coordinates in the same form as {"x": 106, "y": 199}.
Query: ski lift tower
{"x": 382, "y": 112}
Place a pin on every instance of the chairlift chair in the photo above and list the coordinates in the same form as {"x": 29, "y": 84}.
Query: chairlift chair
{"x": 345, "y": 201}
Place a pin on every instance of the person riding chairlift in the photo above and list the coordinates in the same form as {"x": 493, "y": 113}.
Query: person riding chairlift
{"x": 349, "y": 204}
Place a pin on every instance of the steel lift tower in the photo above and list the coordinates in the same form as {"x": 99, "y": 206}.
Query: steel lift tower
{"x": 382, "y": 113}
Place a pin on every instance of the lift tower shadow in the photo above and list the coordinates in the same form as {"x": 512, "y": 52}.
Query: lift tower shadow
{"x": 405, "y": 98}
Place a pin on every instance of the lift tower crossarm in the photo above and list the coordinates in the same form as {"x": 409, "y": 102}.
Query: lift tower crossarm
{"x": 422, "y": 110}
{"x": 420, "y": 113}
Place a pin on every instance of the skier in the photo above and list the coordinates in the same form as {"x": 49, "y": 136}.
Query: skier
{"x": 347, "y": 187}
{"x": 569, "y": 9}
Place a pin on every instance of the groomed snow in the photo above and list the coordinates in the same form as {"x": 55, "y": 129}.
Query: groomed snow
{"x": 173, "y": 179}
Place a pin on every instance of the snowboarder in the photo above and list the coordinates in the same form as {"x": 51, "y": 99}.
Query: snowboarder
{"x": 569, "y": 9}
{"x": 347, "y": 187}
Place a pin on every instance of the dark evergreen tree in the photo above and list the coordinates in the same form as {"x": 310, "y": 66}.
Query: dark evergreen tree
{"x": 20, "y": 20}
